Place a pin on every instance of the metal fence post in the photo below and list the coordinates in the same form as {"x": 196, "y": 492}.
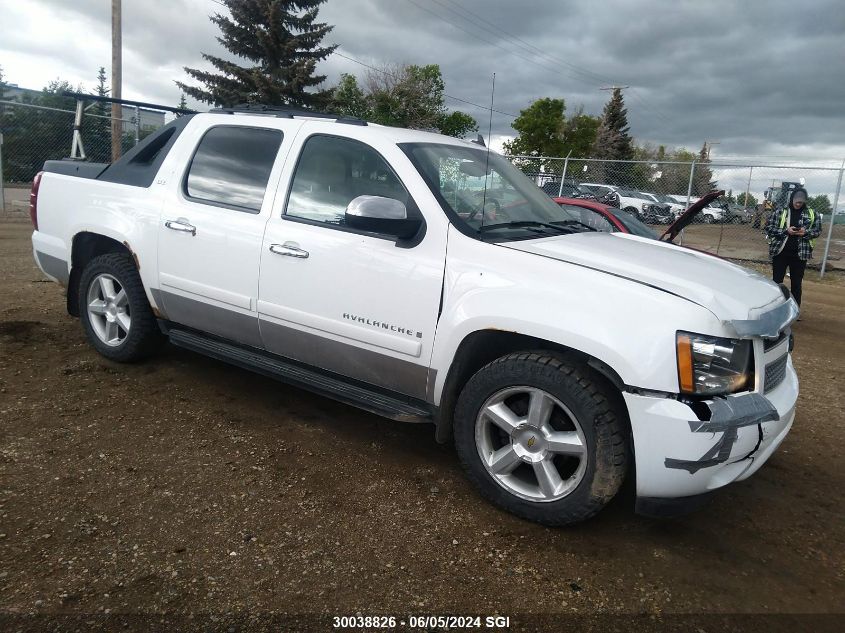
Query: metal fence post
{"x": 689, "y": 195}
{"x": 832, "y": 220}
{"x": 137, "y": 124}
{"x": 2, "y": 191}
{"x": 563, "y": 175}
{"x": 689, "y": 186}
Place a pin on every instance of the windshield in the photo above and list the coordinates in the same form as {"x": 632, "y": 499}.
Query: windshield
{"x": 498, "y": 203}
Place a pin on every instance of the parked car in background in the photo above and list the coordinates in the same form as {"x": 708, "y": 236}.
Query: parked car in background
{"x": 568, "y": 189}
{"x": 603, "y": 193}
{"x": 658, "y": 213}
{"x": 639, "y": 204}
{"x": 709, "y": 215}
{"x": 733, "y": 213}
{"x": 675, "y": 208}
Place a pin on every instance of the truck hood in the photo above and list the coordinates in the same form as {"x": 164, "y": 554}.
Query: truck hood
{"x": 728, "y": 291}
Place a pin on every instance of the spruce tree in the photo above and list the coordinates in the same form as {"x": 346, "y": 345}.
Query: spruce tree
{"x": 96, "y": 131}
{"x": 612, "y": 139}
{"x": 702, "y": 180}
{"x": 282, "y": 40}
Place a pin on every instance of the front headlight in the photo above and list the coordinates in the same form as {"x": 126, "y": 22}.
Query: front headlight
{"x": 709, "y": 365}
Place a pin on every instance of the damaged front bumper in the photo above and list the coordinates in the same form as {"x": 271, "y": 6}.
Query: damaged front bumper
{"x": 678, "y": 454}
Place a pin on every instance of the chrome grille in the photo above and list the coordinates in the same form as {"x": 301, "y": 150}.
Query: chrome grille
{"x": 775, "y": 373}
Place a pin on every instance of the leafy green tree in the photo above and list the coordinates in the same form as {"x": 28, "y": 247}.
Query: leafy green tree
{"x": 33, "y": 136}
{"x": 674, "y": 174}
{"x": 540, "y": 129}
{"x": 349, "y": 99}
{"x": 543, "y": 130}
{"x": 579, "y": 133}
{"x": 402, "y": 96}
{"x": 820, "y": 204}
{"x": 282, "y": 40}
{"x": 748, "y": 202}
{"x": 457, "y": 124}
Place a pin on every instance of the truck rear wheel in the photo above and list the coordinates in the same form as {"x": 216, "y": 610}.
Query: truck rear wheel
{"x": 114, "y": 310}
{"x": 541, "y": 437}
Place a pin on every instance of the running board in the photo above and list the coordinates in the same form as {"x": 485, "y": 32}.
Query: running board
{"x": 298, "y": 376}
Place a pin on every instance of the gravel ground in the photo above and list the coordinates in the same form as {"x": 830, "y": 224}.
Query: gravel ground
{"x": 190, "y": 489}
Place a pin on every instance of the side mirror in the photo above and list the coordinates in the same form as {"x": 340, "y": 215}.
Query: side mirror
{"x": 377, "y": 214}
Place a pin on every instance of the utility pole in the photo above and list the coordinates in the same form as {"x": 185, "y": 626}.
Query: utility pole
{"x": 710, "y": 145}
{"x": 614, "y": 87}
{"x": 116, "y": 76}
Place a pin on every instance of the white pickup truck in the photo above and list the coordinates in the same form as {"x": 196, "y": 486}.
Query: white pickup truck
{"x": 425, "y": 279}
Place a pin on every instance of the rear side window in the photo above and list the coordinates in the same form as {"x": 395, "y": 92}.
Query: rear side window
{"x": 332, "y": 172}
{"x": 232, "y": 165}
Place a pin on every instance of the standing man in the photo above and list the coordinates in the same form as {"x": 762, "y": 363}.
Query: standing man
{"x": 792, "y": 233}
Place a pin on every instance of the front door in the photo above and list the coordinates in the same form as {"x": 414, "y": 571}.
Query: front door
{"x": 211, "y": 231}
{"x": 361, "y": 305}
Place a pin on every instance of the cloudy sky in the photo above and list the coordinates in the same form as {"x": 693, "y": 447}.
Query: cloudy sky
{"x": 761, "y": 79}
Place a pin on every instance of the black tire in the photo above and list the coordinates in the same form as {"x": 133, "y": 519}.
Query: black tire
{"x": 144, "y": 337}
{"x": 589, "y": 398}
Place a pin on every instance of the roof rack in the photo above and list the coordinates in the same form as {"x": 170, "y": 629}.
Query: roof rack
{"x": 286, "y": 112}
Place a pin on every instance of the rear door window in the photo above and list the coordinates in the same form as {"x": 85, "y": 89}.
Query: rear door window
{"x": 232, "y": 165}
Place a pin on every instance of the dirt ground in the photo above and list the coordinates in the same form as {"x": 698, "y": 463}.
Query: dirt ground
{"x": 744, "y": 242}
{"x": 188, "y": 489}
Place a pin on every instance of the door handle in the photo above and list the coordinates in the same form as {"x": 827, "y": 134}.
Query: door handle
{"x": 290, "y": 249}
{"x": 181, "y": 225}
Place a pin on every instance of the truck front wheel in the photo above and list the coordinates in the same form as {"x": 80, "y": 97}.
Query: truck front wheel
{"x": 114, "y": 310}
{"x": 541, "y": 437}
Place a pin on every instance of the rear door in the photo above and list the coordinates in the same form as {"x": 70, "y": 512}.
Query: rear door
{"x": 358, "y": 304}
{"x": 211, "y": 229}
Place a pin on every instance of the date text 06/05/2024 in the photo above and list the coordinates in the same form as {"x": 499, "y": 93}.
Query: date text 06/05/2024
{"x": 422, "y": 621}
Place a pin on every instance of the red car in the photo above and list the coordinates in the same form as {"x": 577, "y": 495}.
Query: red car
{"x": 604, "y": 218}
{"x": 612, "y": 220}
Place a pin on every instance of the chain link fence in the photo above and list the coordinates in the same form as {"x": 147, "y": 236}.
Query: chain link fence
{"x": 32, "y": 133}
{"x": 654, "y": 191}
{"x": 732, "y": 227}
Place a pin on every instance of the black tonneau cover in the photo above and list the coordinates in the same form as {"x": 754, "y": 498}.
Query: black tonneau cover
{"x": 137, "y": 167}
{"x": 78, "y": 168}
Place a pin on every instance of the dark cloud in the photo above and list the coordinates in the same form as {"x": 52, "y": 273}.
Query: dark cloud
{"x": 761, "y": 77}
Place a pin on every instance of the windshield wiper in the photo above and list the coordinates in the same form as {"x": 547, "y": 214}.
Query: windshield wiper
{"x": 568, "y": 222}
{"x": 528, "y": 224}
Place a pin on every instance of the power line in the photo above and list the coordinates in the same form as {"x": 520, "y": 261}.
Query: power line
{"x": 384, "y": 72}
{"x": 487, "y": 41}
{"x": 525, "y": 45}
{"x": 647, "y": 106}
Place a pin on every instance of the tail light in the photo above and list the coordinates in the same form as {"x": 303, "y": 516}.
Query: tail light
{"x": 33, "y": 199}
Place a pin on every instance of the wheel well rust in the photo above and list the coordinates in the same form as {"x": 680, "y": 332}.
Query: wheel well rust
{"x": 86, "y": 246}
{"x": 484, "y": 346}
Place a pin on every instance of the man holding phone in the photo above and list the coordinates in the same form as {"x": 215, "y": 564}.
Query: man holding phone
{"x": 792, "y": 233}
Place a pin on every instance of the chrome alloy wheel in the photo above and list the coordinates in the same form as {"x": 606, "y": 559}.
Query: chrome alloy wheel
{"x": 108, "y": 310}
{"x": 531, "y": 444}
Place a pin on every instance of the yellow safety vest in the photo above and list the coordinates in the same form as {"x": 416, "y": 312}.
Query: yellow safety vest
{"x": 812, "y": 214}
